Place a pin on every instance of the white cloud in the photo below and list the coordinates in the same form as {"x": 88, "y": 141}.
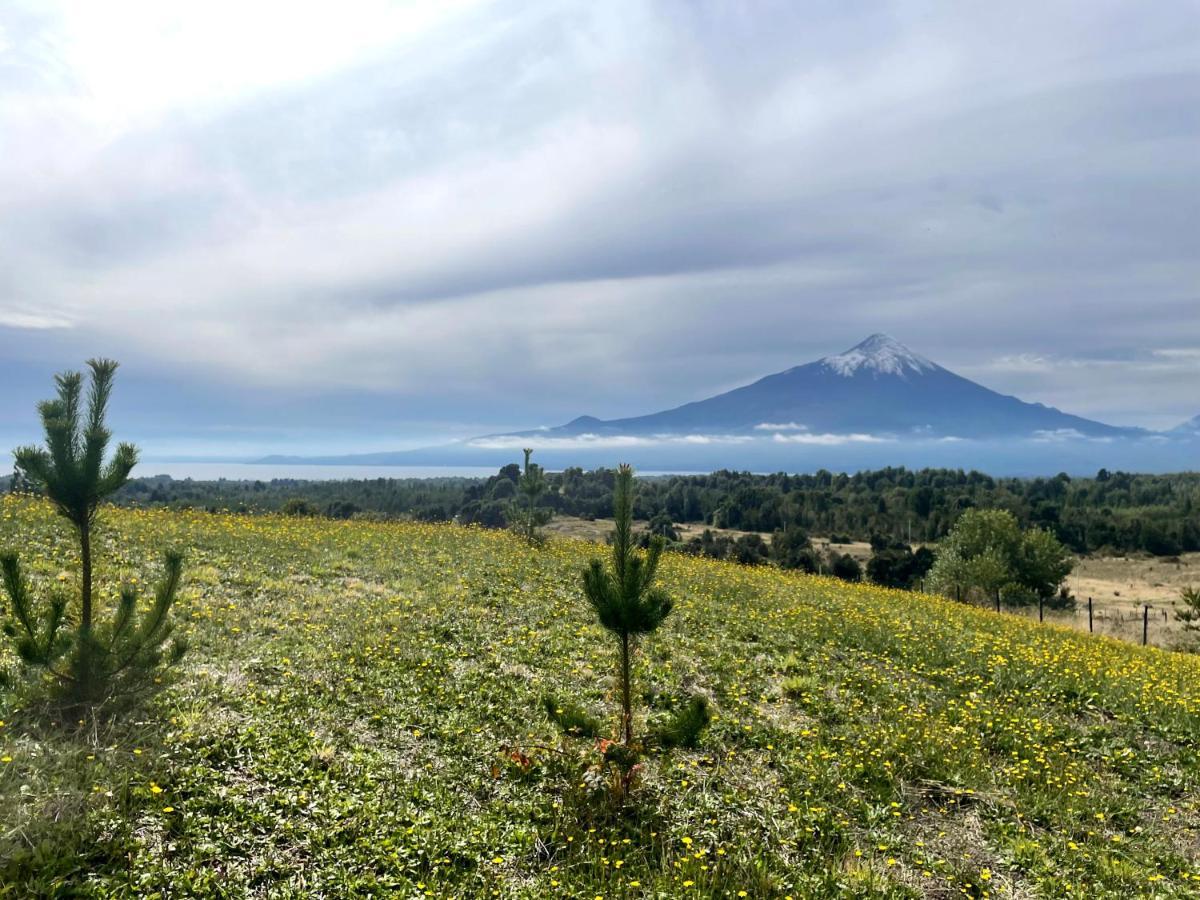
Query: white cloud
{"x": 780, "y": 426}
{"x": 456, "y": 205}
{"x": 1184, "y": 354}
{"x": 15, "y": 318}
{"x": 603, "y": 441}
{"x": 829, "y": 440}
{"x": 1064, "y": 435}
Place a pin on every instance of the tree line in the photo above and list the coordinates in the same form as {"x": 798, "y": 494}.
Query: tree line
{"x": 1111, "y": 511}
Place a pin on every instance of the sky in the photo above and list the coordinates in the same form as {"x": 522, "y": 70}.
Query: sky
{"x": 368, "y": 225}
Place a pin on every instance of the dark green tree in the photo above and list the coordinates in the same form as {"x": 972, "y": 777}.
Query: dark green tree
{"x": 1190, "y": 614}
{"x": 623, "y": 596}
{"x": 526, "y": 514}
{"x": 844, "y": 566}
{"x": 791, "y": 548}
{"x": 92, "y": 660}
{"x": 660, "y": 524}
{"x": 750, "y": 550}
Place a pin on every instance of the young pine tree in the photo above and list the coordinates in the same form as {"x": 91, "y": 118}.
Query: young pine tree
{"x": 531, "y": 486}
{"x": 627, "y": 603}
{"x": 623, "y": 596}
{"x": 1190, "y": 614}
{"x": 92, "y": 659}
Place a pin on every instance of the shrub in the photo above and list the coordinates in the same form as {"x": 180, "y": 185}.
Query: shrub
{"x": 684, "y": 727}
{"x": 297, "y": 506}
{"x": 750, "y": 550}
{"x": 845, "y": 567}
{"x": 571, "y": 718}
{"x": 791, "y": 548}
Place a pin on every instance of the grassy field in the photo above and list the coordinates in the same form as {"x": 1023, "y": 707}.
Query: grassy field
{"x": 341, "y": 727}
{"x": 1118, "y": 585}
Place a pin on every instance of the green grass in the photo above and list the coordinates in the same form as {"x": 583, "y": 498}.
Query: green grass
{"x": 344, "y": 721}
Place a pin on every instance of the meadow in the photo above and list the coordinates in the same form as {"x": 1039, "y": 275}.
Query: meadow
{"x": 358, "y": 715}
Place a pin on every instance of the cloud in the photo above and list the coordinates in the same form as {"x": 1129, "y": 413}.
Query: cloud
{"x": 1064, "y": 435}
{"x": 780, "y": 426}
{"x": 1183, "y": 354}
{"x": 11, "y": 318}
{"x": 829, "y": 440}
{"x": 604, "y": 441}
{"x": 448, "y": 208}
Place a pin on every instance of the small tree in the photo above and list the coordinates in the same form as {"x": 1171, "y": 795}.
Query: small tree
{"x": 987, "y": 552}
{"x": 627, "y": 603}
{"x": 791, "y": 548}
{"x": 1190, "y": 614}
{"x": 92, "y": 660}
{"x": 845, "y": 567}
{"x": 1043, "y": 563}
{"x": 531, "y": 486}
{"x": 624, "y": 597}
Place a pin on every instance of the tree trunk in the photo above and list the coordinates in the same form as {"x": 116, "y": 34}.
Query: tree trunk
{"x": 626, "y": 699}
{"x": 85, "y": 554}
{"x": 84, "y": 665}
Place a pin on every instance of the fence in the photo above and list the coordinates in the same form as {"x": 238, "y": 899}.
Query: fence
{"x": 1114, "y": 622}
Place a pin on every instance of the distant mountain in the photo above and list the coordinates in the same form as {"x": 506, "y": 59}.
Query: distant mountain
{"x": 879, "y": 387}
{"x": 877, "y": 404}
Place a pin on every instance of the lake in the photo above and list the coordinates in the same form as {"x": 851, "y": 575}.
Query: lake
{"x": 241, "y": 471}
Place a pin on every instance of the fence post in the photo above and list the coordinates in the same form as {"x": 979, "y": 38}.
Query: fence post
{"x": 1145, "y": 623}
{"x": 1091, "y": 629}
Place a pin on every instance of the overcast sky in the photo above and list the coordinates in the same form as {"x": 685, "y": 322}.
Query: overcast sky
{"x": 366, "y": 225}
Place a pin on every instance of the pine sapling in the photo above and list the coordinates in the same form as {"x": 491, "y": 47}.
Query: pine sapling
{"x": 623, "y": 596}
{"x": 1190, "y": 614}
{"x": 92, "y": 659}
{"x": 531, "y": 487}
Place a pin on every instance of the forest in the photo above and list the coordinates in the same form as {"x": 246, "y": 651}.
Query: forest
{"x": 1112, "y": 511}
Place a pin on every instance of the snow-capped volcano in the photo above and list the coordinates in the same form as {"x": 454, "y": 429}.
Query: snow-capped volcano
{"x": 877, "y": 403}
{"x": 877, "y": 387}
{"x": 880, "y": 354}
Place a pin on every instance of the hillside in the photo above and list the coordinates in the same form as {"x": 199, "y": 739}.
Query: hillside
{"x": 341, "y": 723}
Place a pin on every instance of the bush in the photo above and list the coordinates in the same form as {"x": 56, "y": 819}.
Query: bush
{"x": 571, "y": 718}
{"x": 750, "y": 550}
{"x": 845, "y": 567}
{"x": 297, "y": 506}
{"x": 791, "y": 548}
{"x": 898, "y": 566}
{"x": 684, "y": 727}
